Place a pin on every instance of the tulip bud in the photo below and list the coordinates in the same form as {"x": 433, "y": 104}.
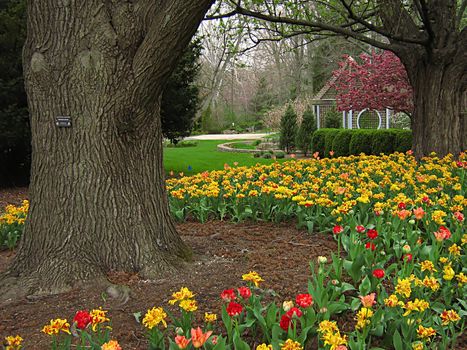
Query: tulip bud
{"x": 411, "y": 221}
{"x": 287, "y": 305}
{"x": 322, "y": 259}
{"x": 406, "y": 249}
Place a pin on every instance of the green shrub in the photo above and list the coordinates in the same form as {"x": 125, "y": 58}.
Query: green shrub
{"x": 328, "y": 141}
{"x": 318, "y": 141}
{"x": 182, "y": 144}
{"x": 242, "y": 145}
{"x": 267, "y": 155}
{"x": 402, "y": 140}
{"x": 333, "y": 119}
{"x": 341, "y": 143}
{"x": 361, "y": 142}
{"x": 305, "y": 132}
{"x": 288, "y": 130}
{"x": 382, "y": 142}
{"x": 279, "y": 155}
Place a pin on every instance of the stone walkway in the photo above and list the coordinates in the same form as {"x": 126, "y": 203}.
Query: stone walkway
{"x": 226, "y": 137}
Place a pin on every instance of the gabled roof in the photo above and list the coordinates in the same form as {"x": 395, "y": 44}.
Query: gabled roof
{"x": 327, "y": 87}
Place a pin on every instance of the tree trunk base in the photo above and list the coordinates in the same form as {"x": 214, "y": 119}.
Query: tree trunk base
{"x": 57, "y": 276}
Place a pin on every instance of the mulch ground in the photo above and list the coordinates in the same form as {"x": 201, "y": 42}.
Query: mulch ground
{"x": 223, "y": 251}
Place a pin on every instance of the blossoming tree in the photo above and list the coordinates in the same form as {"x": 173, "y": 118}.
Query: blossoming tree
{"x": 379, "y": 82}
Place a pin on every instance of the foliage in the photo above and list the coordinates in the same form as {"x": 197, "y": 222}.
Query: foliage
{"x": 242, "y": 145}
{"x": 288, "y": 131}
{"x": 11, "y": 225}
{"x": 379, "y": 82}
{"x": 318, "y": 141}
{"x": 305, "y": 131}
{"x": 361, "y": 142}
{"x": 15, "y": 136}
{"x": 353, "y": 142}
{"x": 180, "y": 99}
{"x": 262, "y": 99}
{"x": 332, "y": 119}
{"x": 181, "y": 144}
{"x": 340, "y": 144}
{"x": 399, "y": 269}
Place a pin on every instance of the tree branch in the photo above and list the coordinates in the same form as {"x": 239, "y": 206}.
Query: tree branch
{"x": 315, "y": 27}
{"x": 374, "y": 28}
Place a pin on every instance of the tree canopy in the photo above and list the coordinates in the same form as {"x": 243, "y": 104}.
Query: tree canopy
{"x": 378, "y": 82}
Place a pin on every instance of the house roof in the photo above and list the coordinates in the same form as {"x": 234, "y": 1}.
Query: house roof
{"x": 326, "y": 92}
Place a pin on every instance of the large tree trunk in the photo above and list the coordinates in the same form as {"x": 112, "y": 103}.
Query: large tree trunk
{"x": 437, "y": 70}
{"x": 438, "y": 122}
{"x": 98, "y": 200}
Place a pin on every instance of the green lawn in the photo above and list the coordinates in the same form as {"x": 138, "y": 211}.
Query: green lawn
{"x": 206, "y": 157}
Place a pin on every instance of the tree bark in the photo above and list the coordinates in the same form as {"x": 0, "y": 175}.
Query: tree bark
{"x": 437, "y": 71}
{"x": 438, "y": 122}
{"x": 98, "y": 199}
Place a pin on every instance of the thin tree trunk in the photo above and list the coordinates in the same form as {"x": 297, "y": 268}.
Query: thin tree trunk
{"x": 98, "y": 199}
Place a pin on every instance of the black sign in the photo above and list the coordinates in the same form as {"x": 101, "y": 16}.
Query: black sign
{"x": 63, "y": 122}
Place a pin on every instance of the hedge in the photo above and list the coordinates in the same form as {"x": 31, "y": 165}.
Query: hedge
{"x": 318, "y": 141}
{"x": 346, "y": 142}
{"x": 341, "y": 142}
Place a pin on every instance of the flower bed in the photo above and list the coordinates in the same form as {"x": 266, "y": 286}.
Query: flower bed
{"x": 399, "y": 270}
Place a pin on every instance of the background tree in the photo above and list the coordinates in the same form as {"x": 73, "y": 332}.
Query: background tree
{"x": 429, "y": 37}
{"x": 15, "y": 136}
{"x": 288, "y": 131}
{"x": 332, "y": 119}
{"x": 180, "y": 99}
{"x": 379, "y": 82}
{"x": 306, "y": 130}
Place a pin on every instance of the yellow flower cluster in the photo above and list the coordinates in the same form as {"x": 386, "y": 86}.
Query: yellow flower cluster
{"x": 153, "y": 317}
{"x": 185, "y": 299}
{"x": 363, "y": 318}
{"x": 98, "y": 316}
{"x": 253, "y": 277}
{"x": 416, "y": 305}
{"x": 339, "y": 184}
{"x": 291, "y": 345}
{"x": 210, "y": 318}
{"x": 264, "y": 347}
{"x": 14, "y": 214}
{"x": 13, "y": 343}
{"x": 331, "y": 335}
{"x": 425, "y": 332}
{"x": 55, "y": 326}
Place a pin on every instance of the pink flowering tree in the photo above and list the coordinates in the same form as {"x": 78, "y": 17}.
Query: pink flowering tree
{"x": 378, "y": 82}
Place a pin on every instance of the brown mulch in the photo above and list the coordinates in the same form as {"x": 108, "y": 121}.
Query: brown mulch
{"x": 223, "y": 251}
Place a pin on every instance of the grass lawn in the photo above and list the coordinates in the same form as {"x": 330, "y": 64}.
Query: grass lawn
{"x": 206, "y": 157}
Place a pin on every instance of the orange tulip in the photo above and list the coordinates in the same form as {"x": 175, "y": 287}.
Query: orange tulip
{"x": 419, "y": 213}
{"x": 181, "y": 341}
{"x": 198, "y": 338}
